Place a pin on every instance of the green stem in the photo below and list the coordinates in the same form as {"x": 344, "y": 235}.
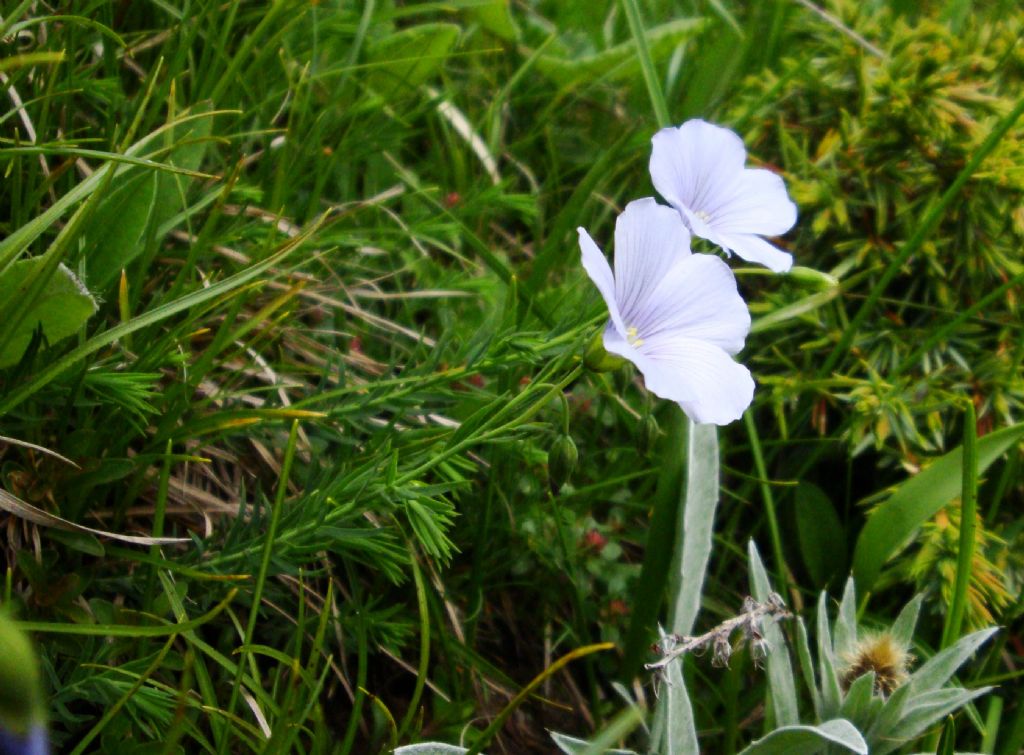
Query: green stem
{"x": 158, "y": 524}
{"x": 769, "y": 500}
{"x": 661, "y": 539}
{"x": 261, "y": 578}
{"x": 636, "y": 28}
{"x": 421, "y": 672}
{"x": 525, "y": 692}
{"x": 968, "y": 516}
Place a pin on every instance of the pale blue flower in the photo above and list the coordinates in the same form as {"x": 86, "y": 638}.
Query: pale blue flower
{"x": 699, "y": 168}
{"x": 676, "y": 315}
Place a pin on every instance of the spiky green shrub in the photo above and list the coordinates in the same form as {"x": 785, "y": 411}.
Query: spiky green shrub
{"x": 870, "y": 140}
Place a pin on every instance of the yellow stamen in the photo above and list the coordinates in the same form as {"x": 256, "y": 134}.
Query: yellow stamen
{"x": 633, "y": 337}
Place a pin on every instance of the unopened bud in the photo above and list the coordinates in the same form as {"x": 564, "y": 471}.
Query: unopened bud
{"x": 562, "y": 460}
{"x": 811, "y": 278}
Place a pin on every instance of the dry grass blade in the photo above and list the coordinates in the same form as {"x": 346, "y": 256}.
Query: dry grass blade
{"x": 14, "y": 505}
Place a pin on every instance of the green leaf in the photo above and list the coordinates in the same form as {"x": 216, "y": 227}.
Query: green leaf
{"x": 830, "y": 692}
{"x": 808, "y": 740}
{"x": 925, "y": 711}
{"x": 115, "y": 234}
{"x": 820, "y": 534}
{"x": 680, "y": 728}
{"x": 496, "y": 17}
{"x": 903, "y": 628}
{"x": 803, "y": 652}
{"x": 61, "y": 310}
{"x": 621, "y": 61}
{"x": 858, "y": 698}
{"x": 409, "y": 57}
{"x": 845, "y": 628}
{"x": 937, "y": 670}
{"x": 780, "y": 669}
{"x": 892, "y": 524}
{"x": 192, "y": 138}
{"x": 695, "y": 526}
{"x": 574, "y": 746}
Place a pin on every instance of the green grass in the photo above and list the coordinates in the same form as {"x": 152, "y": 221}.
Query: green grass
{"x": 349, "y": 329}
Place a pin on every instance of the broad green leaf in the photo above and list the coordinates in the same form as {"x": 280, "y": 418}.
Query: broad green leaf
{"x": 142, "y": 202}
{"x": 780, "y": 670}
{"x": 621, "y": 61}
{"x": 407, "y": 58}
{"x": 808, "y": 740}
{"x": 496, "y": 17}
{"x": 192, "y": 139}
{"x": 820, "y": 534}
{"x": 891, "y": 525}
{"x": 115, "y": 234}
{"x": 61, "y": 310}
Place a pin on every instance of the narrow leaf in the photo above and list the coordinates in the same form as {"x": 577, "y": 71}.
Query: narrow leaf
{"x": 940, "y": 667}
{"x": 891, "y": 525}
{"x": 780, "y": 670}
{"x": 697, "y": 522}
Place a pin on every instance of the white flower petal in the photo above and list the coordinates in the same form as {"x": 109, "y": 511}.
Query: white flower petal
{"x": 755, "y": 249}
{"x": 697, "y": 298}
{"x": 649, "y": 239}
{"x": 698, "y": 168}
{"x": 696, "y": 165}
{"x": 699, "y": 376}
{"x": 759, "y": 205}
{"x": 597, "y": 268}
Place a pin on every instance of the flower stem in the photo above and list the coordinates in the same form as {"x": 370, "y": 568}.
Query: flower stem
{"x": 643, "y": 52}
{"x": 968, "y": 515}
{"x": 769, "y": 500}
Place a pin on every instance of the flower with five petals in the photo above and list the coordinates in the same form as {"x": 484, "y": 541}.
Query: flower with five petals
{"x": 699, "y": 169}
{"x": 677, "y": 316}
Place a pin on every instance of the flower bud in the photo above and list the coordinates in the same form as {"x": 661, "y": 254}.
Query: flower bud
{"x": 596, "y": 358}
{"x": 811, "y": 278}
{"x": 22, "y": 712}
{"x": 562, "y": 460}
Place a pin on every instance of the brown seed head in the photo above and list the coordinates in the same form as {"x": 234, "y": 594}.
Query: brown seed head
{"x": 883, "y": 655}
